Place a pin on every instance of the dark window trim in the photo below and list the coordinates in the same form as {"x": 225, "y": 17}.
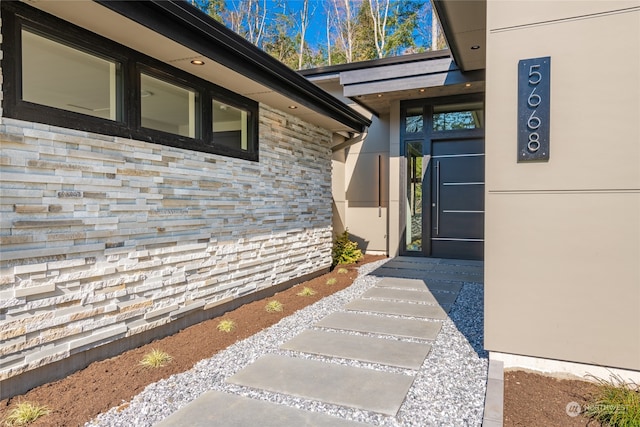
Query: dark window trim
{"x": 185, "y": 24}
{"x": 15, "y": 16}
{"x": 428, "y": 104}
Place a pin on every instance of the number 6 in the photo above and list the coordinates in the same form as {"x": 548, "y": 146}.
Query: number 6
{"x": 534, "y": 99}
{"x": 533, "y": 119}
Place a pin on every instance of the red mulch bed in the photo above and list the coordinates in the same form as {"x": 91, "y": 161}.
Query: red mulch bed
{"x": 538, "y": 400}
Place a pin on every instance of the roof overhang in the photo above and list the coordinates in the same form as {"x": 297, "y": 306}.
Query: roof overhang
{"x": 176, "y": 33}
{"x": 464, "y": 25}
{"x": 376, "y": 84}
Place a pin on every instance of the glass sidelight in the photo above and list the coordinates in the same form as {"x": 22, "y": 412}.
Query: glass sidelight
{"x": 414, "y": 196}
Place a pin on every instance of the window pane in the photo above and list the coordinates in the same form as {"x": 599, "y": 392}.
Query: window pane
{"x": 458, "y": 116}
{"x": 229, "y": 126}
{"x": 60, "y": 76}
{"x": 413, "y": 121}
{"x": 167, "y": 107}
{"x": 414, "y": 196}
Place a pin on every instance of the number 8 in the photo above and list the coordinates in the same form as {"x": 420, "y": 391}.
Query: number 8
{"x": 534, "y": 143}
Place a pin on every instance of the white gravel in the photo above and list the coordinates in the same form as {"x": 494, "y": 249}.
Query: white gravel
{"x": 448, "y": 390}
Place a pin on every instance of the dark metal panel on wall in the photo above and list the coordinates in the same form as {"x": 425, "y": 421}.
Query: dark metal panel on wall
{"x": 534, "y": 109}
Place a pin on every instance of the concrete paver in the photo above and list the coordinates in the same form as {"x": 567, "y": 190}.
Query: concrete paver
{"x": 390, "y": 352}
{"x": 367, "y": 323}
{"x": 463, "y": 270}
{"x": 215, "y": 408}
{"x": 399, "y": 308}
{"x": 411, "y": 295}
{"x": 418, "y": 284}
{"x": 475, "y": 263}
{"x": 377, "y": 391}
{"x": 420, "y": 266}
{"x": 385, "y": 271}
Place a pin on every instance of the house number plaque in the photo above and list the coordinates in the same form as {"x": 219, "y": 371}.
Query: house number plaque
{"x": 533, "y": 109}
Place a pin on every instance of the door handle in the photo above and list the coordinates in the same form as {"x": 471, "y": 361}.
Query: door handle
{"x": 437, "y": 203}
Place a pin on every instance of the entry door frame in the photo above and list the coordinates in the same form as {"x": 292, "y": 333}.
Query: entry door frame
{"x": 428, "y": 137}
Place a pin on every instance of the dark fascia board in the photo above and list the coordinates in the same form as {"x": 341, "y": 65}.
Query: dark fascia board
{"x": 392, "y": 60}
{"x": 187, "y": 25}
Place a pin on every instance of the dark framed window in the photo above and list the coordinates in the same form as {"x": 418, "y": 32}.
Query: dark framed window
{"x": 467, "y": 115}
{"x": 59, "y": 74}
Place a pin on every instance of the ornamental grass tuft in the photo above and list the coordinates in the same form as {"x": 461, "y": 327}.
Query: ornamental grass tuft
{"x": 617, "y": 404}
{"x": 226, "y": 325}
{"x": 332, "y": 281}
{"x": 306, "y": 292}
{"x": 156, "y": 359}
{"x": 274, "y": 306}
{"x": 25, "y": 413}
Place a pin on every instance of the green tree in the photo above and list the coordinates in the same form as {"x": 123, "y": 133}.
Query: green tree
{"x": 403, "y": 23}
{"x": 364, "y": 42}
{"x": 214, "y": 8}
{"x": 278, "y": 40}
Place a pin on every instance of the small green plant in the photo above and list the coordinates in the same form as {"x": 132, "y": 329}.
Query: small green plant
{"x": 25, "y": 413}
{"x": 342, "y": 271}
{"x": 344, "y": 250}
{"x": 274, "y": 306}
{"x": 617, "y": 404}
{"x": 156, "y": 359}
{"x": 332, "y": 281}
{"x": 306, "y": 292}
{"x": 226, "y": 325}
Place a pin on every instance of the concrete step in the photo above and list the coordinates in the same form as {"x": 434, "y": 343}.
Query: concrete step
{"x": 411, "y": 295}
{"x": 419, "y": 266}
{"x": 418, "y": 284}
{"x": 367, "y": 323}
{"x": 385, "y": 271}
{"x": 215, "y": 408}
{"x": 376, "y": 391}
{"x": 367, "y": 349}
{"x": 399, "y": 308}
{"x": 461, "y": 262}
{"x": 443, "y": 266}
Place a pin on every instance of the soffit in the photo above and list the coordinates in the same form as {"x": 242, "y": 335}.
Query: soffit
{"x": 378, "y": 87}
{"x": 382, "y": 104}
{"x": 464, "y": 24}
{"x": 112, "y": 25}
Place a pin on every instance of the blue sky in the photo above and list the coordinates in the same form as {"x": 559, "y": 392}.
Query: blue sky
{"x": 316, "y": 32}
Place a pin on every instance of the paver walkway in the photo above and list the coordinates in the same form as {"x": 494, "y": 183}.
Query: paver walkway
{"x": 393, "y": 324}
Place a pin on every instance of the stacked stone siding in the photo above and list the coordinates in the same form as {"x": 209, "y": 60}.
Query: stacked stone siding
{"x": 104, "y": 237}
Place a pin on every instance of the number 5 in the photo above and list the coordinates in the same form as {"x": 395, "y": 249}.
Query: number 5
{"x": 533, "y": 73}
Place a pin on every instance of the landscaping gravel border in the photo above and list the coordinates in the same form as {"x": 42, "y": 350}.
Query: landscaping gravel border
{"x": 448, "y": 390}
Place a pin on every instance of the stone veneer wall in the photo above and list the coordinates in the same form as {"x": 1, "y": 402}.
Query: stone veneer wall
{"x": 104, "y": 238}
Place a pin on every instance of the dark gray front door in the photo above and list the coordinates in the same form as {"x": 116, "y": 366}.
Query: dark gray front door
{"x": 443, "y": 210}
{"x": 457, "y": 199}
